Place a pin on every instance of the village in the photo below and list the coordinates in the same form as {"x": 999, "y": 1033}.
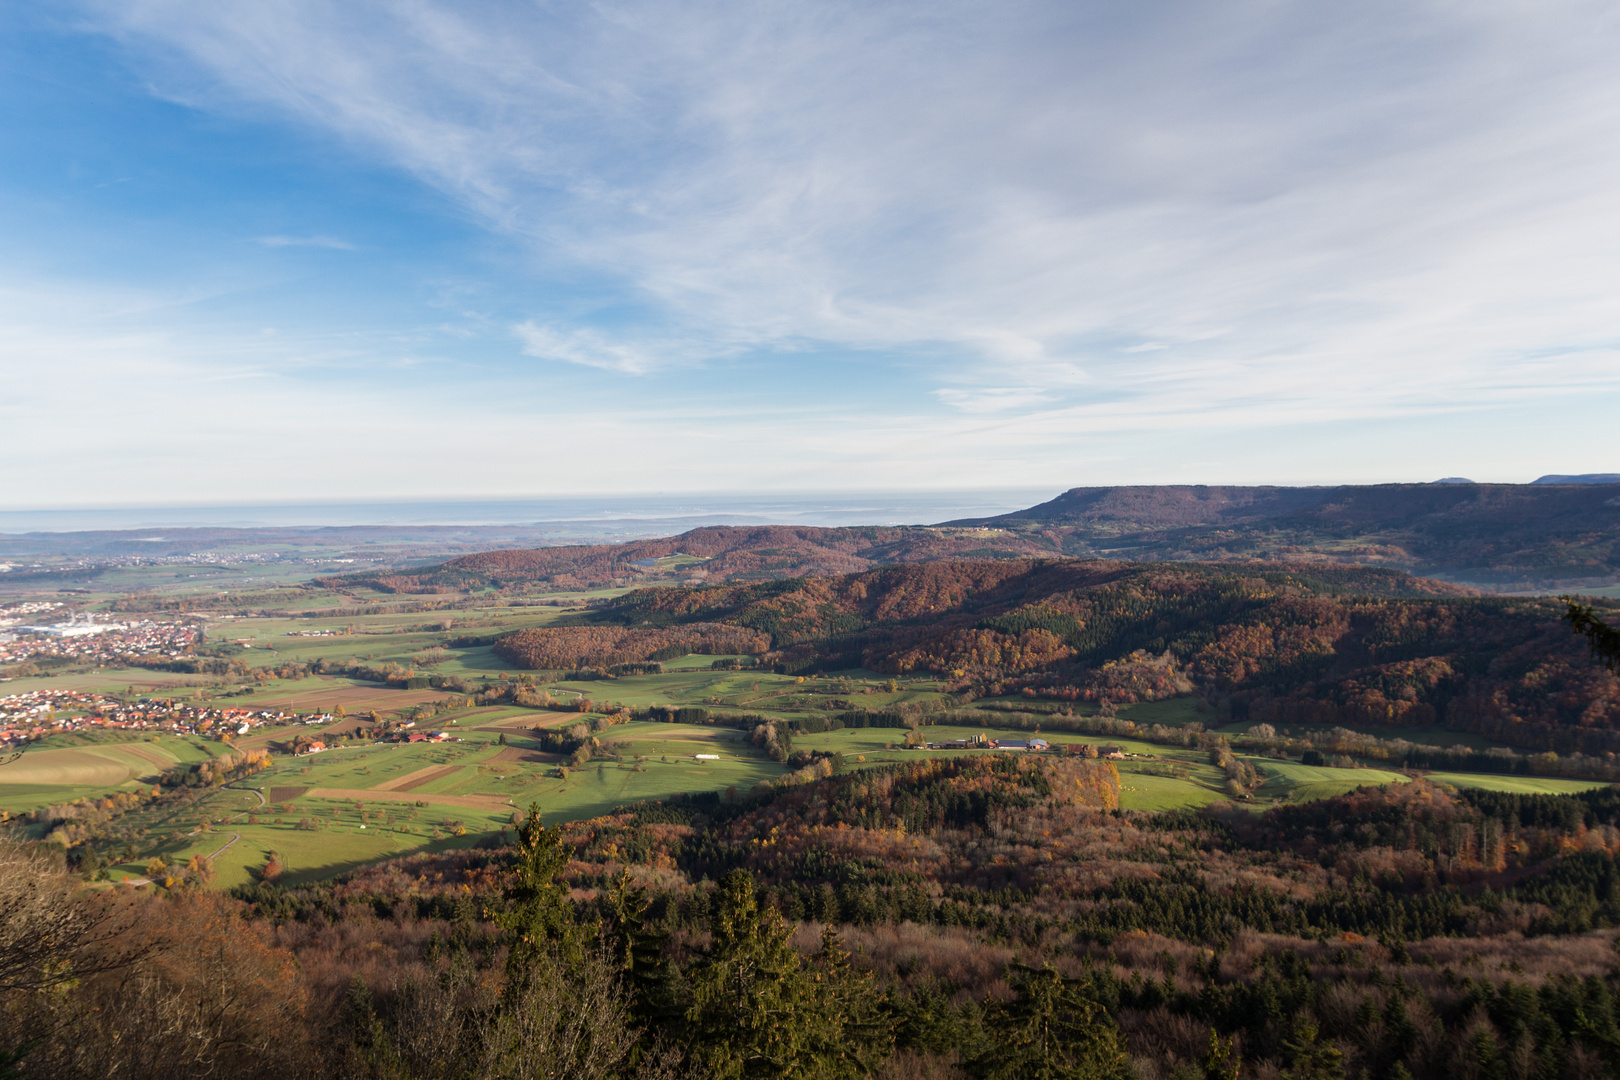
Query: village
{"x": 80, "y": 639}
{"x": 38, "y": 713}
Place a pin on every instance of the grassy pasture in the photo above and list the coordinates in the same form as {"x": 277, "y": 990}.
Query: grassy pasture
{"x": 1142, "y": 791}
{"x": 324, "y": 693}
{"x": 41, "y": 777}
{"x": 1289, "y": 781}
{"x": 691, "y": 687}
{"x": 314, "y": 855}
{"x": 472, "y": 660}
{"x": 110, "y": 681}
{"x": 699, "y": 661}
{"x": 1520, "y": 785}
{"x": 599, "y": 787}
{"x": 367, "y": 766}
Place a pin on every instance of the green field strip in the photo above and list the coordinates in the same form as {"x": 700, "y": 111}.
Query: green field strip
{"x": 1288, "y": 781}
{"x": 1140, "y": 791}
{"x": 1522, "y": 785}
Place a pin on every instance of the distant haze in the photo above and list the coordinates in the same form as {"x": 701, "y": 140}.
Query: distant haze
{"x": 645, "y": 515}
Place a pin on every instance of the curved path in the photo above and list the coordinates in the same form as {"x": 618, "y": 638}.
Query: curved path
{"x": 234, "y": 838}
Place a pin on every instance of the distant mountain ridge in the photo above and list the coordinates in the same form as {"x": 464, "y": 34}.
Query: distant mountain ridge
{"x": 1496, "y": 536}
{"x": 1503, "y": 534}
{"x": 708, "y": 555}
{"x": 1579, "y": 478}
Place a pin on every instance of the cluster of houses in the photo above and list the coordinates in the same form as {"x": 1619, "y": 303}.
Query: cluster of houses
{"x": 302, "y": 745}
{"x": 79, "y": 639}
{"x": 12, "y": 612}
{"x": 1035, "y": 746}
{"x": 984, "y": 742}
{"x": 426, "y": 736}
{"x": 33, "y": 715}
{"x": 39, "y": 704}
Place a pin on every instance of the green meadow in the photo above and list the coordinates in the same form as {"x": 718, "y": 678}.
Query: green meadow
{"x": 329, "y": 812}
{"x": 1518, "y": 785}
{"x": 64, "y": 768}
{"x": 1289, "y": 781}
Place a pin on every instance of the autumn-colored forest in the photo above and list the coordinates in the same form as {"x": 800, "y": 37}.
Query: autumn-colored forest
{"x": 1277, "y": 644}
{"x": 1485, "y": 533}
{"x": 604, "y": 646}
{"x": 977, "y": 917}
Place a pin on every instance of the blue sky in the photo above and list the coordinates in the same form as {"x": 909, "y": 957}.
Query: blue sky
{"x": 295, "y": 249}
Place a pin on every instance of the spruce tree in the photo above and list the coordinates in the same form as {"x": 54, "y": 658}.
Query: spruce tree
{"x": 758, "y": 1011}
{"x": 1053, "y": 1030}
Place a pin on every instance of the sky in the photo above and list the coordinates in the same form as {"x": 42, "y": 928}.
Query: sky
{"x": 311, "y": 250}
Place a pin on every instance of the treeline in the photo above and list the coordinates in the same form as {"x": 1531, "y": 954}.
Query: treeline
{"x": 575, "y": 647}
{"x": 218, "y": 770}
{"x": 393, "y": 674}
{"x": 1333, "y": 745}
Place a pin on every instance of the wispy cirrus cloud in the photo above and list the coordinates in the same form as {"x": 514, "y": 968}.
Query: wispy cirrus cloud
{"x": 941, "y": 239}
{"x": 586, "y": 348}
{"x": 1361, "y": 194}
{"x": 331, "y": 242}
{"x": 992, "y": 399}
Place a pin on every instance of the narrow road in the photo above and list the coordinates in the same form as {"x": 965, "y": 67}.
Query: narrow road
{"x": 256, "y": 791}
{"x": 234, "y": 838}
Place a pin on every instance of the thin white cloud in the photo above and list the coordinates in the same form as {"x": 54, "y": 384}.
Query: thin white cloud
{"x": 1202, "y": 215}
{"x": 305, "y": 241}
{"x": 585, "y": 348}
{"x": 991, "y": 399}
{"x": 165, "y": 405}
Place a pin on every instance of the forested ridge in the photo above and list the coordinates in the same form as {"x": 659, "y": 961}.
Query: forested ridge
{"x": 605, "y": 646}
{"x": 975, "y": 917}
{"x": 720, "y": 553}
{"x": 1272, "y": 644}
{"x": 1509, "y": 535}
{"x": 1485, "y": 533}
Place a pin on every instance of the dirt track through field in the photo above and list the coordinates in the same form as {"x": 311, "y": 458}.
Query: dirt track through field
{"x": 413, "y": 780}
{"x": 472, "y": 802}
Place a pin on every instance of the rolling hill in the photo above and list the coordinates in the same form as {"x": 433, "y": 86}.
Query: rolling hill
{"x": 1486, "y": 534}
{"x": 1270, "y": 643}
{"x": 1499, "y": 537}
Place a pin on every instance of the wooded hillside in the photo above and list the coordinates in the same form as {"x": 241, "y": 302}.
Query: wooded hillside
{"x": 1481, "y": 533}
{"x": 1507, "y": 535}
{"x": 1268, "y": 643}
